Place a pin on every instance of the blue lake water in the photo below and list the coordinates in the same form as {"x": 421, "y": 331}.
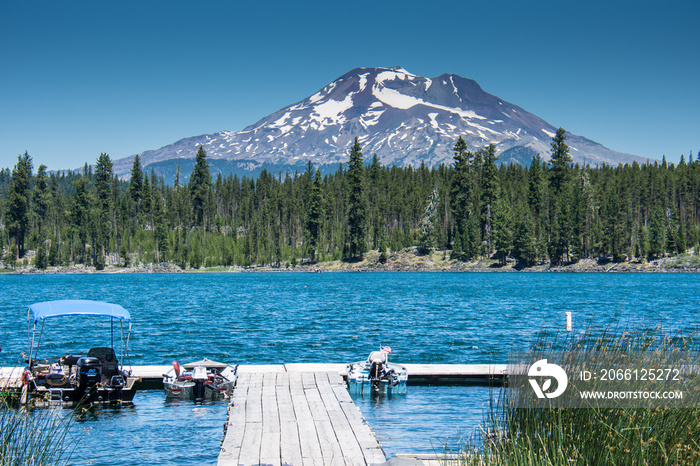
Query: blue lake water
{"x": 269, "y": 318}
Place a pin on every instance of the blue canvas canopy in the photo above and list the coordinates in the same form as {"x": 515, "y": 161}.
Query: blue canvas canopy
{"x": 48, "y": 309}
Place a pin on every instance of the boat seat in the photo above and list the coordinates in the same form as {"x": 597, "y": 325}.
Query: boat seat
{"x": 108, "y": 360}
{"x": 55, "y": 380}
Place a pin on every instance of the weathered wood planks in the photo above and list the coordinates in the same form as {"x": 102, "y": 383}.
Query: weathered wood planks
{"x": 296, "y": 418}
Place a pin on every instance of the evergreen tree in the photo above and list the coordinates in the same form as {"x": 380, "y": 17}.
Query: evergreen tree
{"x": 104, "y": 199}
{"x": 41, "y": 199}
{"x": 17, "y": 202}
{"x": 54, "y": 258}
{"x": 537, "y": 200}
{"x": 356, "y": 202}
{"x": 524, "y": 241}
{"x": 671, "y": 232}
{"x": 614, "y": 227}
{"x": 585, "y": 215}
{"x": 160, "y": 233}
{"x": 643, "y": 243}
{"x": 136, "y": 184}
{"x": 428, "y": 224}
{"x": 502, "y": 229}
{"x": 104, "y": 183}
{"x": 561, "y": 162}
{"x": 489, "y": 194}
{"x": 40, "y": 259}
{"x": 560, "y": 224}
{"x": 146, "y": 199}
{"x": 657, "y": 233}
{"x": 382, "y": 246}
{"x": 80, "y": 216}
{"x": 460, "y": 191}
{"x": 681, "y": 242}
{"x": 537, "y": 187}
{"x": 200, "y": 183}
{"x": 314, "y": 216}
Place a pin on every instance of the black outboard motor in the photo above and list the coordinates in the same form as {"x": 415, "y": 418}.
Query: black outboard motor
{"x": 89, "y": 375}
{"x": 199, "y": 377}
{"x": 377, "y": 360}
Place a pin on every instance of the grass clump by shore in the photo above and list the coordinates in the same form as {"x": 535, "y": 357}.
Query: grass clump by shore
{"x": 32, "y": 438}
{"x": 592, "y": 435}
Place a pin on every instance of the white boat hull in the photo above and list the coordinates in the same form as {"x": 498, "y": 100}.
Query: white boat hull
{"x": 392, "y": 380}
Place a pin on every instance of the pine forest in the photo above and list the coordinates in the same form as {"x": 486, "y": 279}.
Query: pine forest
{"x": 550, "y": 212}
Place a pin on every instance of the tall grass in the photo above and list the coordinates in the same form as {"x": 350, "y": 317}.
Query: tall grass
{"x": 38, "y": 437}
{"x": 513, "y": 435}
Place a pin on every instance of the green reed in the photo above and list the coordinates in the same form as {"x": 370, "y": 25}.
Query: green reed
{"x": 32, "y": 437}
{"x": 511, "y": 435}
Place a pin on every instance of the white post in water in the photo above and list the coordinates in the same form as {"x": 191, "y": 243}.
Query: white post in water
{"x": 569, "y": 327}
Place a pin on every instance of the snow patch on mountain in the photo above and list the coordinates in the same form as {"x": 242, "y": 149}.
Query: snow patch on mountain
{"x": 332, "y": 110}
{"x": 402, "y": 117}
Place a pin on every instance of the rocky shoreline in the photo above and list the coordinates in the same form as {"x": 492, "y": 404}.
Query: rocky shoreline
{"x": 407, "y": 260}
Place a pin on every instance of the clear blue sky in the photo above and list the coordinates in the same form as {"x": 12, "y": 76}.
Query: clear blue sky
{"x": 82, "y": 77}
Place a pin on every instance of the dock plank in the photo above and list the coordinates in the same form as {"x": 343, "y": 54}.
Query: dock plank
{"x": 296, "y": 418}
{"x": 252, "y": 442}
{"x": 290, "y": 448}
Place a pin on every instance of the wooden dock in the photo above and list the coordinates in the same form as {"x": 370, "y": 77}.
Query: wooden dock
{"x": 296, "y": 418}
{"x": 302, "y": 414}
{"x": 151, "y": 377}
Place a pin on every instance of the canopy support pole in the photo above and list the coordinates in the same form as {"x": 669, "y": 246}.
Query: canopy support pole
{"x": 38, "y": 341}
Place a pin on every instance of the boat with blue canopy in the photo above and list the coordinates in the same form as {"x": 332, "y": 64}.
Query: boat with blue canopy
{"x": 99, "y": 376}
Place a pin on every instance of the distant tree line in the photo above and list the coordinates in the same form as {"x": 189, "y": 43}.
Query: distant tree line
{"x": 554, "y": 212}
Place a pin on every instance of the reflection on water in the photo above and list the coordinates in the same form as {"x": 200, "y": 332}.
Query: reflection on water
{"x": 426, "y": 419}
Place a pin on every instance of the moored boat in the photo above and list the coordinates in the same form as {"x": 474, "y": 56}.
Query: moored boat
{"x": 199, "y": 380}
{"x": 376, "y": 375}
{"x": 98, "y": 377}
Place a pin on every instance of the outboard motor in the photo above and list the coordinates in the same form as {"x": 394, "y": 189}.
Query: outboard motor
{"x": 199, "y": 376}
{"x": 89, "y": 375}
{"x": 377, "y": 360}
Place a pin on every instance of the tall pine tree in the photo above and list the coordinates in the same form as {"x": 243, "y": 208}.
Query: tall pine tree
{"x": 104, "y": 199}
{"x": 357, "y": 216}
{"x": 460, "y": 189}
{"x": 136, "y": 184}
{"x": 17, "y": 202}
{"x": 314, "y": 216}
{"x": 561, "y": 198}
{"x": 200, "y": 184}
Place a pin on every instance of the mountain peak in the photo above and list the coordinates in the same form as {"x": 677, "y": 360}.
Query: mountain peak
{"x": 402, "y": 117}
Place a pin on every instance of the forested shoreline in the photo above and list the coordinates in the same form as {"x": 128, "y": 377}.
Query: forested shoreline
{"x": 552, "y": 212}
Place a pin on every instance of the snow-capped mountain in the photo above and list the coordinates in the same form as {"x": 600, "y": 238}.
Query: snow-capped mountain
{"x": 403, "y": 118}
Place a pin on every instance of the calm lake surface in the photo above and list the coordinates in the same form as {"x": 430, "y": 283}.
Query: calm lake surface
{"x": 268, "y": 318}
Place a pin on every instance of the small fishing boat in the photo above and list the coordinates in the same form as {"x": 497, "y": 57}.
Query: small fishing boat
{"x": 377, "y": 375}
{"x": 98, "y": 377}
{"x": 200, "y": 380}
